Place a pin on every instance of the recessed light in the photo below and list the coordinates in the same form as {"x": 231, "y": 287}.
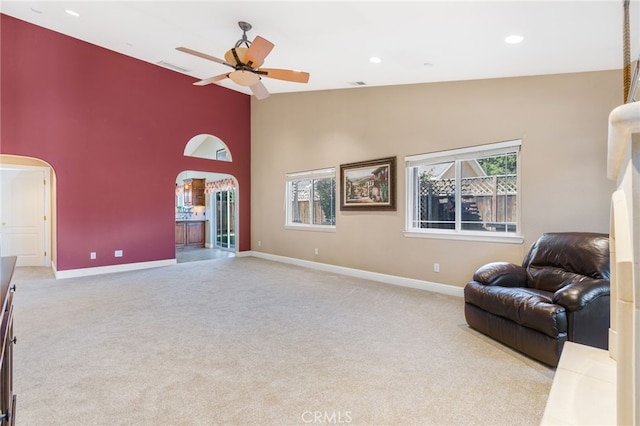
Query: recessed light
{"x": 375, "y": 60}
{"x": 72, "y": 12}
{"x": 514, "y": 39}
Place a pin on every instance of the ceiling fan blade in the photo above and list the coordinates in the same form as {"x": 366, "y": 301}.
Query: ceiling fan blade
{"x": 258, "y": 50}
{"x": 203, "y": 55}
{"x": 259, "y": 90}
{"x": 287, "y": 75}
{"x": 211, "y": 80}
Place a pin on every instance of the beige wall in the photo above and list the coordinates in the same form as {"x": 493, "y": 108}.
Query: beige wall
{"x": 561, "y": 119}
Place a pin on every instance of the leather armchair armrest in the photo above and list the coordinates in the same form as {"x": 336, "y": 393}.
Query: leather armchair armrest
{"x": 579, "y": 294}
{"x": 503, "y": 274}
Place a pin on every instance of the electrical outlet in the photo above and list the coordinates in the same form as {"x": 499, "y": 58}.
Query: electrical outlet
{"x": 316, "y": 251}
{"x": 259, "y": 243}
{"x": 118, "y": 253}
{"x": 92, "y": 255}
{"x": 436, "y": 267}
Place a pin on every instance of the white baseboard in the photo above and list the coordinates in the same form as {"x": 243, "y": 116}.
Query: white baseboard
{"x": 359, "y": 273}
{"x": 84, "y": 272}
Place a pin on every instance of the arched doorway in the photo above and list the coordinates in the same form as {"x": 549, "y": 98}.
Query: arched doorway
{"x": 206, "y": 216}
{"x": 27, "y": 191}
{"x": 206, "y": 207}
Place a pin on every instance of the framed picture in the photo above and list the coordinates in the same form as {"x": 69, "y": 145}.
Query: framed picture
{"x": 368, "y": 185}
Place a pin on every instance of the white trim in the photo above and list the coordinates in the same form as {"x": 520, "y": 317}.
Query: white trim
{"x": 312, "y": 174}
{"x": 47, "y": 225}
{"x": 290, "y": 178}
{"x": 489, "y": 237}
{"x": 467, "y": 153}
{"x": 314, "y": 228}
{"x": 455, "y": 156}
{"x": 99, "y": 270}
{"x": 623, "y": 121}
{"x": 367, "y": 275}
{"x": 357, "y": 273}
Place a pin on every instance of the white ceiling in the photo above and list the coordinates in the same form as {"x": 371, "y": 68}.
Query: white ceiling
{"x": 418, "y": 41}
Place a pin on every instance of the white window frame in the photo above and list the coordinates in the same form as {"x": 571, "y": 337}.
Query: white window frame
{"x": 308, "y": 175}
{"x": 456, "y": 156}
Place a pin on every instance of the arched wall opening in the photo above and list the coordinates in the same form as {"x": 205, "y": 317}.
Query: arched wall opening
{"x": 208, "y": 200}
{"x": 209, "y": 147}
{"x": 28, "y": 210}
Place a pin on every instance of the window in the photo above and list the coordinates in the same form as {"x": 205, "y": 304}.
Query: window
{"x": 311, "y": 199}
{"x": 470, "y": 192}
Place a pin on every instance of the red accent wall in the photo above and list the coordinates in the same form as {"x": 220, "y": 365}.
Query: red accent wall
{"x": 114, "y": 130}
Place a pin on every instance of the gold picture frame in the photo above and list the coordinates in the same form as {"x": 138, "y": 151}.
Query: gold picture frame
{"x": 368, "y": 185}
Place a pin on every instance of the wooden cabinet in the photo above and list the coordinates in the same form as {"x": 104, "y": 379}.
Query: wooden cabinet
{"x": 194, "y": 192}
{"x": 181, "y": 234}
{"x": 190, "y": 233}
{"x": 195, "y": 234}
{"x": 7, "y": 398}
{"x": 198, "y": 192}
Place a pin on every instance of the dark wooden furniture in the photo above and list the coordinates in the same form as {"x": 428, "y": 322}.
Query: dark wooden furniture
{"x": 181, "y": 234}
{"x": 7, "y": 398}
{"x": 190, "y": 233}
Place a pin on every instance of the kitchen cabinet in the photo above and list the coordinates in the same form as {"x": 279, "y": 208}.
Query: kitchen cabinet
{"x": 190, "y": 233}
{"x": 194, "y": 192}
{"x": 181, "y": 234}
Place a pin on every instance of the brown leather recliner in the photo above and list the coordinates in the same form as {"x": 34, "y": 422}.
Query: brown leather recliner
{"x": 560, "y": 293}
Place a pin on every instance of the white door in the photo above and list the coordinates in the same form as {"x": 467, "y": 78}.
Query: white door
{"x": 24, "y": 200}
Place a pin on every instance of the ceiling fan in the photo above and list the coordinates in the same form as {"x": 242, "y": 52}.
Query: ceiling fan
{"x": 246, "y": 62}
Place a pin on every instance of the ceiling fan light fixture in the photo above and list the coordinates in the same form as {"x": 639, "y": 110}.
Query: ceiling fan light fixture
{"x": 246, "y": 63}
{"x": 240, "y": 51}
{"x": 244, "y": 78}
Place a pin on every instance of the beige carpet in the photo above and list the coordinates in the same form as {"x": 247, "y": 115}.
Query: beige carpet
{"x": 245, "y": 341}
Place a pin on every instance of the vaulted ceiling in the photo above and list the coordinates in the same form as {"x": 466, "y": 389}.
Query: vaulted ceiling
{"x": 416, "y": 41}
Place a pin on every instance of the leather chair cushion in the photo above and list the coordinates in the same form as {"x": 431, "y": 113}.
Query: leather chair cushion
{"x": 502, "y": 274}
{"x": 558, "y": 259}
{"x": 527, "y": 307}
{"x": 550, "y": 278}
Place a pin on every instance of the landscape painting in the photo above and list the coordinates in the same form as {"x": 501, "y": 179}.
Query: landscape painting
{"x": 368, "y": 185}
